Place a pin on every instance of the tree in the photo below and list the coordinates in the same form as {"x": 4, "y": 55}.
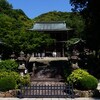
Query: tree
{"x": 4, "y": 5}
{"x": 76, "y": 22}
{"x": 90, "y": 10}
{"x": 14, "y": 25}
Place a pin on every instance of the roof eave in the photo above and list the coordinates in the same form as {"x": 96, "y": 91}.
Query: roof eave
{"x": 50, "y": 30}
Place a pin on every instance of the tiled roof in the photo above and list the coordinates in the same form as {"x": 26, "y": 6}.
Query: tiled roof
{"x": 50, "y": 26}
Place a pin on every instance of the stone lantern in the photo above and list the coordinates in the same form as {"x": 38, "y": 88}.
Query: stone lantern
{"x": 13, "y": 56}
{"x": 74, "y": 62}
{"x": 21, "y": 59}
{"x": 21, "y": 69}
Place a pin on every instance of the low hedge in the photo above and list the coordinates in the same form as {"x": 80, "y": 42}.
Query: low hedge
{"x": 19, "y": 80}
{"x": 82, "y": 80}
{"x": 7, "y": 83}
{"x": 88, "y": 82}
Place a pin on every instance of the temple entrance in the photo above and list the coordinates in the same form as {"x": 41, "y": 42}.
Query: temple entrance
{"x": 47, "y": 81}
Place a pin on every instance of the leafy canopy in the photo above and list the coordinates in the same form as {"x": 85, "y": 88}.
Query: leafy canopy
{"x": 14, "y": 25}
{"x": 89, "y": 9}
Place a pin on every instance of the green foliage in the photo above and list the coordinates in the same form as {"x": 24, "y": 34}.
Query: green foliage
{"x": 7, "y": 83}
{"x": 8, "y": 65}
{"x": 52, "y": 16}
{"x": 16, "y": 77}
{"x": 77, "y": 75}
{"x": 3, "y": 74}
{"x": 91, "y": 16}
{"x": 10, "y": 73}
{"x": 14, "y": 25}
{"x": 4, "y": 5}
{"x": 72, "y": 41}
{"x": 38, "y": 41}
{"x": 25, "y": 80}
{"x": 76, "y": 22}
{"x": 82, "y": 79}
{"x": 88, "y": 82}
{"x": 89, "y": 11}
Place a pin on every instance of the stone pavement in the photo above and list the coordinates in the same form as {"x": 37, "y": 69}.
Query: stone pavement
{"x": 49, "y": 99}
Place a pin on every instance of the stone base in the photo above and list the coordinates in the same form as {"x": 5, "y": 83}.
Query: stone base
{"x": 88, "y": 93}
{"x": 10, "y": 93}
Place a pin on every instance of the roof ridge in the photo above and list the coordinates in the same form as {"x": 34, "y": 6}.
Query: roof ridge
{"x": 50, "y": 26}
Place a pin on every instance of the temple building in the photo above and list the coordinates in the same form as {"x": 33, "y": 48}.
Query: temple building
{"x": 58, "y": 31}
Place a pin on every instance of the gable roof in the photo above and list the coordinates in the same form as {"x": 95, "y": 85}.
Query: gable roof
{"x": 50, "y": 26}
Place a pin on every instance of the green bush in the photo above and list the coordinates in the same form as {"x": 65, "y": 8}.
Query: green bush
{"x": 8, "y": 65}
{"x": 9, "y": 73}
{"x": 15, "y": 75}
{"x": 7, "y": 83}
{"x": 82, "y": 80}
{"x": 76, "y": 75}
{"x": 25, "y": 80}
{"x": 88, "y": 82}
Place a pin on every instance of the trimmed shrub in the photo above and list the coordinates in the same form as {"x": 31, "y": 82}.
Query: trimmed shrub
{"x": 15, "y": 75}
{"x": 7, "y": 83}
{"x": 76, "y": 75}
{"x": 25, "y": 80}
{"x": 8, "y": 65}
{"x": 88, "y": 82}
{"x": 82, "y": 80}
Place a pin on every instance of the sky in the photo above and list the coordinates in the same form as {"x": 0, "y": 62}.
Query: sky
{"x": 34, "y": 8}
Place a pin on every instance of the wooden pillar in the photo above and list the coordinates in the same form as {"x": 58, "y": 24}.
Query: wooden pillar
{"x": 63, "y": 50}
